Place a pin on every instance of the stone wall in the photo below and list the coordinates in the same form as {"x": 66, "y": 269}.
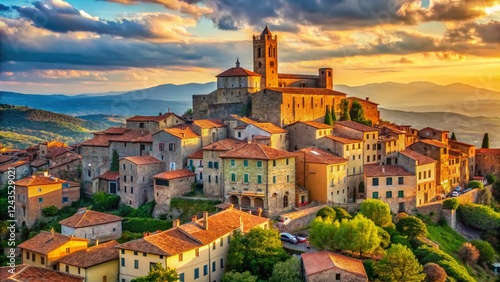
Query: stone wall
{"x": 225, "y": 109}
{"x": 300, "y": 219}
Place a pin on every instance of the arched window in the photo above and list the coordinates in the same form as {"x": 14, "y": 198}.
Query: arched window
{"x": 269, "y": 51}
{"x": 285, "y": 200}
{"x": 303, "y": 102}
{"x": 259, "y": 64}
{"x": 259, "y": 52}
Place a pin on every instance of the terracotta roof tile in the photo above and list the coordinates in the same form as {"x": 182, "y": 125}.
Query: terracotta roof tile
{"x": 306, "y": 91}
{"x": 361, "y": 100}
{"x": 257, "y": 152}
{"x": 422, "y": 159}
{"x": 83, "y": 218}
{"x": 237, "y": 71}
{"x": 102, "y": 253}
{"x": 454, "y": 153}
{"x": 4, "y": 159}
{"x": 266, "y": 126}
{"x": 130, "y": 135}
{"x": 343, "y": 139}
{"x": 115, "y": 130}
{"x": 38, "y": 180}
{"x": 224, "y": 145}
{"x": 174, "y": 174}
{"x": 196, "y": 155}
{"x": 316, "y": 155}
{"x": 109, "y": 175}
{"x": 39, "y": 162}
{"x": 117, "y": 134}
{"x": 434, "y": 130}
{"x": 146, "y": 138}
{"x": 183, "y": 132}
{"x": 375, "y": 170}
{"x": 71, "y": 158}
{"x": 451, "y": 142}
{"x": 433, "y": 143}
{"x": 45, "y": 242}
{"x": 356, "y": 126}
{"x": 157, "y": 118}
{"x": 321, "y": 261}
{"x": 52, "y": 153}
{"x": 28, "y": 273}
{"x": 142, "y": 160}
{"x": 489, "y": 151}
{"x": 315, "y": 124}
{"x": 6, "y": 167}
{"x": 100, "y": 140}
{"x": 207, "y": 123}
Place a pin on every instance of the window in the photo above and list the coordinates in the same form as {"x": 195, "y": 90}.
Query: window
{"x": 245, "y": 177}
{"x": 181, "y": 277}
{"x": 373, "y": 135}
{"x": 205, "y": 270}
{"x": 367, "y": 159}
{"x": 388, "y": 181}
{"x": 136, "y": 263}
{"x": 161, "y": 182}
{"x": 259, "y": 179}
{"x": 123, "y": 261}
{"x": 216, "y": 165}
{"x": 68, "y": 250}
{"x": 419, "y": 175}
{"x": 65, "y": 199}
{"x": 367, "y": 146}
{"x": 222, "y": 263}
{"x": 245, "y": 162}
{"x": 401, "y": 194}
{"x": 287, "y": 161}
{"x": 209, "y": 179}
{"x": 181, "y": 257}
{"x": 124, "y": 178}
{"x": 274, "y": 162}
{"x": 425, "y": 174}
{"x": 367, "y": 136}
{"x": 274, "y": 179}
{"x": 259, "y": 163}
{"x": 210, "y": 164}
{"x": 67, "y": 268}
{"x": 375, "y": 195}
{"x": 131, "y": 190}
{"x": 42, "y": 260}
{"x": 375, "y": 181}
{"x": 353, "y": 170}
{"x": 40, "y": 200}
{"x": 233, "y": 177}
{"x": 374, "y": 147}
{"x": 388, "y": 194}
{"x": 214, "y": 266}
{"x": 429, "y": 173}
{"x": 123, "y": 252}
{"x": 401, "y": 180}
{"x": 213, "y": 245}
{"x": 136, "y": 253}
{"x": 285, "y": 201}
{"x": 27, "y": 255}
{"x": 196, "y": 273}
{"x": 143, "y": 254}
{"x": 124, "y": 167}
{"x": 287, "y": 178}
{"x": 221, "y": 242}
{"x": 233, "y": 162}
{"x": 216, "y": 179}
{"x": 171, "y": 147}
{"x": 337, "y": 276}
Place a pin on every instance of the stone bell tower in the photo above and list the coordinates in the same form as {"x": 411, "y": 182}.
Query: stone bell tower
{"x": 265, "y": 57}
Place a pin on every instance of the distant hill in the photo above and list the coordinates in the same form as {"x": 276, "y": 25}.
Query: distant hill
{"x": 467, "y": 129}
{"x": 21, "y": 127}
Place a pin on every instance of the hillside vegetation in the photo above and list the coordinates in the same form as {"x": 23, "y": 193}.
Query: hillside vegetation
{"x": 21, "y": 127}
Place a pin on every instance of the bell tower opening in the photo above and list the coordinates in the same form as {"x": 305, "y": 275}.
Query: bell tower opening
{"x": 265, "y": 57}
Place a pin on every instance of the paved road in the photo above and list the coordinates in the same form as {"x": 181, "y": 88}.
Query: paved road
{"x": 300, "y": 247}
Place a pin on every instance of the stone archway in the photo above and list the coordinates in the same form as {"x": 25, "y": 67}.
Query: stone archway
{"x": 234, "y": 200}
{"x": 245, "y": 201}
{"x": 258, "y": 203}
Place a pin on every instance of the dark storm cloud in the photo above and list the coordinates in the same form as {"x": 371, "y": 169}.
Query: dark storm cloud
{"x": 67, "y": 19}
{"x": 4, "y": 8}
{"x": 486, "y": 32}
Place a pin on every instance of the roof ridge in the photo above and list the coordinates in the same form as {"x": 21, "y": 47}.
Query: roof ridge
{"x": 188, "y": 234}
{"x": 81, "y": 218}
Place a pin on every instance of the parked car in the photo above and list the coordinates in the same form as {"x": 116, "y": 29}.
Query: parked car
{"x": 287, "y": 237}
{"x": 458, "y": 189}
{"x": 455, "y": 194}
{"x": 301, "y": 238}
{"x": 283, "y": 221}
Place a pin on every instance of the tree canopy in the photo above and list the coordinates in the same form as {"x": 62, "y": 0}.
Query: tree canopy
{"x": 399, "y": 264}
{"x": 357, "y": 113}
{"x": 159, "y": 274}
{"x": 233, "y": 276}
{"x": 344, "y": 107}
{"x": 453, "y": 137}
{"x": 322, "y": 233}
{"x": 115, "y": 161}
{"x": 326, "y": 212}
{"x": 359, "y": 234}
{"x": 486, "y": 141}
{"x": 412, "y": 227}
{"x": 328, "y": 117}
{"x": 377, "y": 211}
{"x": 289, "y": 271}
{"x": 434, "y": 272}
{"x": 486, "y": 251}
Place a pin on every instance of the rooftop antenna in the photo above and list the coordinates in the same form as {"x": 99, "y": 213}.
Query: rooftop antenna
{"x": 237, "y": 62}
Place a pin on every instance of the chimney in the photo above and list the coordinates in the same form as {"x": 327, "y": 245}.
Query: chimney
{"x": 205, "y": 220}
{"x": 168, "y": 110}
{"x": 241, "y": 224}
{"x": 182, "y": 134}
{"x": 46, "y": 173}
{"x": 52, "y": 232}
{"x": 177, "y": 222}
{"x": 159, "y": 114}
{"x": 194, "y": 218}
{"x": 231, "y": 206}
{"x": 259, "y": 212}
{"x": 367, "y": 98}
{"x": 96, "y": 242}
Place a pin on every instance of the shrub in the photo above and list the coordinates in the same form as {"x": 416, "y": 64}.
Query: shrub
{"x": 50, "y": 211}
{"x": 141, "y": 225}
{"x": 475, "y": 184}
{"x": 491, "y": 178}
{"x": 426, "y": 254}
{"x": 456, "y": 271}
{"x": 479, "y": 216}
{"x": 326, "y": 213}
{"x": 105, "y": 202}
{"x": 451, "y": 204}
{"x": 340, "y": 214}
{"x": 434, "y": 273}
{"x": 370, "y": 270}
{"x": 412, "y": 227}
{"x": 486, "y": 251}
{"x": 468, "y": 253}
{"x": 484, "y": 197}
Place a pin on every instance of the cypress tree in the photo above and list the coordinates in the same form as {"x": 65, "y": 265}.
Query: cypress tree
{"x": 486, "y": 141}
{"x": 345, "y": 115}
{"x": 115, "y": 161}
{"x": 328, "y": 117}
{"x": 453, "y": 137}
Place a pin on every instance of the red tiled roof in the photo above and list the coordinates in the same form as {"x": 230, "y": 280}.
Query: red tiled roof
{"x": 6, "y": 167}
{"x": 266, "y": 126}
{"x": 196, "y": 155}
{"x": 459, "y": 143}
{"x": 142, "y": 160}
{"x": 375, "y": 170}
{"x": 361, "y": 100}
{"x": 342, "y": 139}
{"x": 110, "y": 175}
{"x": 52, "y": 153}
{"x": 102, "y": 253}
{"x": 115, "y": 130}
{"x": 207, "y": 123}
{"x": 4, "y": 159}
{"x": 130, "y": 135}
{"x": 38, "y": 180}
{"x": 84, "y": 217}
{"x": 72, "y": 158}
{"x": 28, "y": 273}
{"x": 433, "y": 143}
{"x": 489, "y": 151}
{"x": 224, "y": 145}
{"x": 174, "y": 174}
{"x": 321, "y": 261}
{"x": 99, "y": 140}
{"x": 256, "y": 152}
{"x": 39, "y": 162}
{"x": 157, "y": 118}
{"x": 45, "y": 242}
{"x": 315, "y": 124}
{"x": 356, "y": 126}
{"x": 147, "y": 138}
{"x": 183, "y": 132}
{"x": 297, "y": 76}
{"x": 237, "y": 71}
{"x": 455, "y": 153}
{"x": 434, "y": 130}
{"x": 422, "y": 159}
{"x": 117, "y": 134}
{"x": 306, "y": 91}
{"x": 316, "y": 155}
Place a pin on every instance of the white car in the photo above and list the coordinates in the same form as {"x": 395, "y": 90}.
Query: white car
{"x": 283, "y": 221}
{"x": 287, "y": 237}
{"x": 455, "y": 194}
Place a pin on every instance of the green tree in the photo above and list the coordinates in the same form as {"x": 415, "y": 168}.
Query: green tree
{"x": 479, "y": 216}
{"x": 340, "y": 214}
{"x": 412, "y": 227}
{"x": 491, "y": 178}
{"x": 289, "y": 271}
{"x": 257, "y": 251}
{"x": 377, "y": 211}
{"x": 451, "y": 204}
{"x": 486, "y": 141}
{"x": 399, "y": 264}
{"x": 50, "y": 210}
{"x": 434, "y": 273}
{"x": 159, "y": 274}
{"x": 188, "y": 112}
{"x": 453, "y": 137}
{"x": 334, "y": 117}
{"x": 233, "y": 276}
{"x": 359, "y": 234}
{"x": 328, "y": 117}
{"x": 322, "y": 233}
{"x": 357, "y": 113}
{"x": 484, "y": 197}
{"x": 486, "y": 251}
{"x": 385, "y": 237}
{"x": 344, "y": 107}
{"x": 475, "y": 184}
{"x": 115, "y": 161}
{"x": 326, "y": 212}
{"x": 468, "y": 253}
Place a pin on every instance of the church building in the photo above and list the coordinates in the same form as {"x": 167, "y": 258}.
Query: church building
{"x": 266, "y": 95}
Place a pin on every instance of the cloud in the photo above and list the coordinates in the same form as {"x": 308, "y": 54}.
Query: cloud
{"x": 403, "y": 60}
{"x": 4, "y": 8}
{"x": 184, "y": 6}
{"x": 61, "y": 17}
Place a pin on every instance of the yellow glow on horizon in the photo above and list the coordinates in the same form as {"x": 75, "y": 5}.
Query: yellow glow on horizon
{"x": 493, "y": 9}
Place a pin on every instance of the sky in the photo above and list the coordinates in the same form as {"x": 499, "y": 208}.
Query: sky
{"x": 90, "y": 46}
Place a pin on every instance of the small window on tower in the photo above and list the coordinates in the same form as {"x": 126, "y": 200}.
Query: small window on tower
{"x": 259, "y": 64}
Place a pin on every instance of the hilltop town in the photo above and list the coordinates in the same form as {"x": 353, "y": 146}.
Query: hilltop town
{"x": 263, "y": 156}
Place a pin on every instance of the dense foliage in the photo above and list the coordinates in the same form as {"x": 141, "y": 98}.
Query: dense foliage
{"x": 50, "y": 211}
{"x": 475, "y": 184}
{"x": 426, "y": 254}
{"x": 468, "y": 253}
{"x": 358, "y": 114}
{"x": 451, "y": 204}
{"x": 377, "y": 211}
{"x": 479, "y": 216}
{"x": 491, "y": 178}
{"x": 159, "y": 274}
{"x": 399, "y": 264}
{"x": 411, "y": 227}
{"x": 344, "y": 110}
{"x": 289, "y": 271}
{"x": 327, "y": 213}
{"x": 105, "y": 202}
{"x": 328, "y": 117}
{"x": 486, "y": 251}
{"x": 359, "y": 234}
{"x": 484, "y": 197}
{"x": 434, "y": 273}
{"x": 233, "y": 276}
{"x": 340, "y": 214}
{"x": 115, "y": 161}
